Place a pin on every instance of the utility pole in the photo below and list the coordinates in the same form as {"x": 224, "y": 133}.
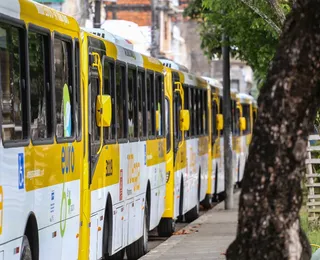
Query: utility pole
{"x": 227, "y": 135}
{"x": 97, "y": 14}
{"x": 154, "y": 29}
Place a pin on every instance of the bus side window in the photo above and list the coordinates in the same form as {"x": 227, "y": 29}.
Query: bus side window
{"x": 109, "y": 89}
{"x": 205, "y": 112}
{"x": 40, "y": 86}
{"x": 193, "y": 116}
{"x": 168, "y": 125}
{"x": 186, "y": 103}
{"x": 95, "y": 130}
{"x": 121, "y": 102}
{"x": 221, "y": 112}
{"x": 199, "y": 112}
{"x": 234, "y": 125}
{"x": 176, "y": 118}
{"x": 78, "y": 114}
{"x": 160, "y": 102}
{"x": 142, "y": 114}
{"x": 63, "y": 88}
{"x": 13, "y": 93}
{"x": 214, "y": 110}
{"x": 132, "y": 99}
{"x": 151, "y": 104}
{"x": 246, "y": 114}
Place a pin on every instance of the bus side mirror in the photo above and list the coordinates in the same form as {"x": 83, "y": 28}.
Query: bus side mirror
{"x": 219, "y": 122}
{"x": 103, "y": 110}
{"x": 184, "y": 120}
{"x": 243, "y": 123}
{"x": 157, "y": 120}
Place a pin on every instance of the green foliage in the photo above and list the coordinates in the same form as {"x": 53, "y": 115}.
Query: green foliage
{"x": 252, "y": 36}
{"x": 312, "y": 230}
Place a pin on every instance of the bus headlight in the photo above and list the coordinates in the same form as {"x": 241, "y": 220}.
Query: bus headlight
{"x": 167, "y": 176}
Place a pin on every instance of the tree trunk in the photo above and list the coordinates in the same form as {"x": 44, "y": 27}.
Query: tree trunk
{"x": 271, "y": 197}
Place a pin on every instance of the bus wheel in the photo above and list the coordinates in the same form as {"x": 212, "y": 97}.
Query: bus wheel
{"x": 207, "y": 202}
{"x": 140, "y": 247}
{"x": 167, "y": 227}
{"x": 25, "y": 249}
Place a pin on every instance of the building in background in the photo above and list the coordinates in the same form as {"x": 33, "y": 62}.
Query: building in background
{"x": 157, "y": 28}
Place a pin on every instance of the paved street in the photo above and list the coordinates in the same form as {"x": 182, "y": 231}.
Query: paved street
{"x": 206, "y": 238}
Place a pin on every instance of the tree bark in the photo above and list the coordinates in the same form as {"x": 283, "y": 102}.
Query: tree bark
{"x": 271, "y": 197}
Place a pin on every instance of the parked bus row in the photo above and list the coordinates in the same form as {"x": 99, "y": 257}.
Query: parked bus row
{"x": 100, "y": 144}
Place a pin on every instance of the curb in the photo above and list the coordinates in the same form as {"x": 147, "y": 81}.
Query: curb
{"x": 176, "y": 239}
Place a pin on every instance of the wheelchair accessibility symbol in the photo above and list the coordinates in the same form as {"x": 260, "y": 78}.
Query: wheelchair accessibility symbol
{"x": 21, "y": 170}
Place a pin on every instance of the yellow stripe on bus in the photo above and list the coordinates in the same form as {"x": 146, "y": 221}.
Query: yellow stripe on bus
{"x": 47, "y": 165}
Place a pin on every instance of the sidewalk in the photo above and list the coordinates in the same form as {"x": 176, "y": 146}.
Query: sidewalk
{"x": 208, "y": 237}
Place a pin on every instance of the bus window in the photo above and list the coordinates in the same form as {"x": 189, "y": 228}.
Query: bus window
{"x": 121, "y": 102}
{"x": 151, "y": 105}
{"x": 205, "y": 112}
{"x": 186, "y": 103}
{"x": 78, "y": 117}
{"x": 246, "y": 114}
{"x": 168, "y": 120}
{"x": 109, "y": 89}
{"x": 214, "y": 110}
{"x": 63, "y": 88}
{"x": 199, "y": 112}
{"x": 12, "y": 84}
{"x": 176, "y": 119}
{"x": 237, "y": 120}
{"x": 132, "y": 100}
{"x": 142, "y": 104}
{"x": 221, "y": 112}
{"x": 40, "y": 86}
{"x": 159, "y": 102}
{"x": 95, "y": 130}
{"x": 193, "y": 114}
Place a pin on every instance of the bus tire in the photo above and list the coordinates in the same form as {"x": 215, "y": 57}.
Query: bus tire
{"x": 207, "y": 202}
{"x": 216, "y": 198}
{"x": 166, "y": 227}
{"x": 25, "y": 249}
{"x": 140, "y": 247}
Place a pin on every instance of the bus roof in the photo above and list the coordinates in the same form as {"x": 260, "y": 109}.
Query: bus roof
{"x": 213, "y": 82}
{"x": 245, "y": 98}
{"x": 30, "y": 11}
{"x": 123, "y": 54}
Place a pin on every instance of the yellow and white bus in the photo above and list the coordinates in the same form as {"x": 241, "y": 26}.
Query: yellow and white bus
{"x": 98, "y": 144}
{"x": 216, "y": 185}
{"x": 125, "y": 153}
{"x": 215, "y": 129}
{"x": 82, "y": 145}
{"x": 187, "y": 146}
{"x": 245, "y": 105}
{"x": 42, "y": 139}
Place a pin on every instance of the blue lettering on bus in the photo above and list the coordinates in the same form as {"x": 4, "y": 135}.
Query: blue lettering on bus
{"x": 67, "y": 159}
{"x": 63, "y": 160}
